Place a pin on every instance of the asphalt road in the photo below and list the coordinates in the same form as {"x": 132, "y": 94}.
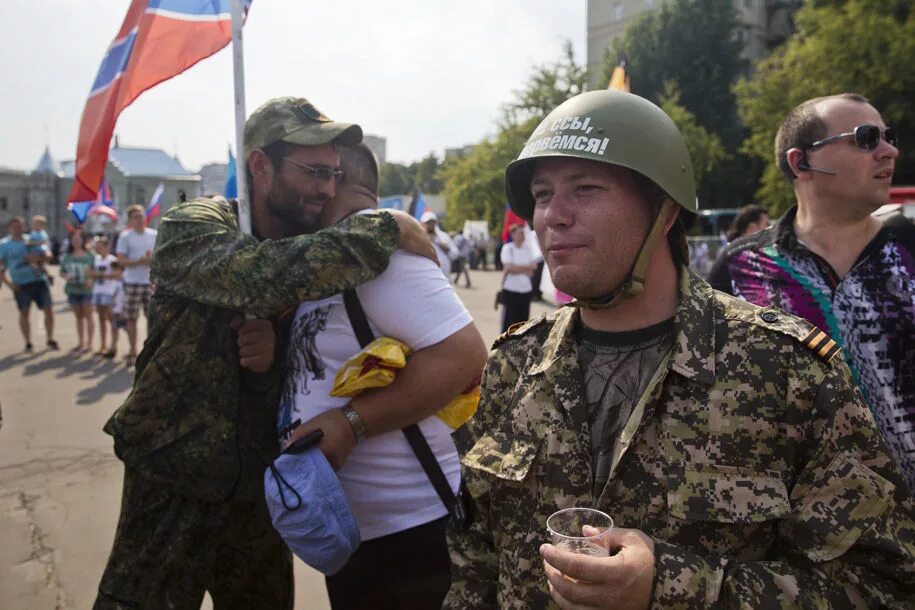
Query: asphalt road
{"x": 60, "y": 482}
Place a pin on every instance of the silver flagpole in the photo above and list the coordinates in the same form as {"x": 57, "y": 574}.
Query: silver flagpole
{"x": 241, "y": 160}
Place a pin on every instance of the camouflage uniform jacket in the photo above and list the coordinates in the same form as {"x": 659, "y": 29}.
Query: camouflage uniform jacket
{"x": 750, "y": 460}
{"x": 195, "y": 420}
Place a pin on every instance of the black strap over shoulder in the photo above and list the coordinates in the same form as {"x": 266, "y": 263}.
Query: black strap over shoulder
{"x": 414, "y": 435}
{"x": 904, "y": 230}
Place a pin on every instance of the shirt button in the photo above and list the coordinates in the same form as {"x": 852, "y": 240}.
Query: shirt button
{"x": 769, "y": 316}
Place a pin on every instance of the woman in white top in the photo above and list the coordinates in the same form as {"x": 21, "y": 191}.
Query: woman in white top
{"x": 518, "y": 265}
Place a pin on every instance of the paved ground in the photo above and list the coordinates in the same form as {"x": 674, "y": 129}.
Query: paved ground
{"x": 60, "y": 483}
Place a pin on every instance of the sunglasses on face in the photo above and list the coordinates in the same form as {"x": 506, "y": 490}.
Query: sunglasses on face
{"x": 867, "y": 137}
{"x": 324, "y": 174}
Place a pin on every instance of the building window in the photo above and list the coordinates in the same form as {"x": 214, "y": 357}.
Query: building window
{"x": 3, "y": 203}
{"x": 618, "y": 11}
{"x": 25, "y": 205}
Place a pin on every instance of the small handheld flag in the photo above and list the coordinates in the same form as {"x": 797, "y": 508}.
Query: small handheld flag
{"x": 619, "y": 79}
{"x": 154, "y": 207}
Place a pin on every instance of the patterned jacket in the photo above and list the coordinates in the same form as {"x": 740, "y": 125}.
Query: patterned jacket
{"x": 750, "y": 460}
{"x": 195, "y": 420}
{"x": 870, "y": 311}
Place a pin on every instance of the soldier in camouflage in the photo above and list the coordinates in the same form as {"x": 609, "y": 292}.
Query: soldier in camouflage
{"x": 727, "y": 441}
{"x": 198, "y": 428}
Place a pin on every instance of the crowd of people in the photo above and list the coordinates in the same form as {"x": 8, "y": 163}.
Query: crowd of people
{"x": 112, "y": 287}
{"x": 753, "y": 440}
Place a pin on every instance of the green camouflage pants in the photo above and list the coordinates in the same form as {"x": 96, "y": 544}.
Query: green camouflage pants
{"x": 169, "y": 549}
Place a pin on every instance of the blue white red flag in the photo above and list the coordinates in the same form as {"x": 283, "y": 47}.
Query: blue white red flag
{"x": 154, "y": 207}
{"x": 159, "y": 39}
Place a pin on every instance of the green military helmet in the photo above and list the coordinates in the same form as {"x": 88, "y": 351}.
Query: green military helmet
{"x": 613, "y": 127}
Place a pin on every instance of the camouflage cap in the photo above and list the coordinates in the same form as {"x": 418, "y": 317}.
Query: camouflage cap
{"x": 296, "y": 121}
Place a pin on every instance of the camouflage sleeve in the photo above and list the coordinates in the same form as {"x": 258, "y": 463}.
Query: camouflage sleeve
{"x": 474, "y": 558}
{"x": 201, "y": 255}
{"x": 848, "y": 541}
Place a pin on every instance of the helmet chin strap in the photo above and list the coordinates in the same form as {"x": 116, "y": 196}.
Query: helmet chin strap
{"x": 634, "y": 284}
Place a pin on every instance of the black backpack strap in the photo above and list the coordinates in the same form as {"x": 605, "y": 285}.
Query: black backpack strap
{"x": 357, "y": 318}
{"x": 418, "y": 443}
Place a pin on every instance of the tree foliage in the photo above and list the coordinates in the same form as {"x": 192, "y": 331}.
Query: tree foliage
{"x": 705, "y": 149}
{"x": 861, "y": 46}
{"x": 400, "y": 179}
{"x": 697, "y": 46}
{"x": 694, "y": 43}
{"x": 549, "y": 86}
{"x": 475, "y": 184}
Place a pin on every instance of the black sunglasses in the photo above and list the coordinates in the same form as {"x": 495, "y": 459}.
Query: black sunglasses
{"x": 321, "y": 173}
{"x": 867, "y": 137}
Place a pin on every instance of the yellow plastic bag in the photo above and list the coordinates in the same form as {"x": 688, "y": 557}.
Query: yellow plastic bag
{"x": 462, "y": 408}
{"x": 376, "y": 367}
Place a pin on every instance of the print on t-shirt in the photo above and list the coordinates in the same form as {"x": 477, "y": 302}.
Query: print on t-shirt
{"x": 302, "y": 361}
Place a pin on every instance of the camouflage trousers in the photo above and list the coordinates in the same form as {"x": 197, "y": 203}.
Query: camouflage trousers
{"x": 169, "y": 549}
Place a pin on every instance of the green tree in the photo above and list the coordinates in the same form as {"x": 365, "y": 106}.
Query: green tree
{"x": 694, "y": 43}
{"x": 400, "y": 179}
{"x": 549, "y": 86}
{"x": 705, "y": 149}
{"x": 394, "y": 179}
{"x": 862, "y": 46}
{"x": 697, "y": 45}
{"x": 474, "y": 185}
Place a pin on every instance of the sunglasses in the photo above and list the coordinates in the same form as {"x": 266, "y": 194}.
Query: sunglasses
{"x": 867, "y": 137}
{"x": 323, "y": 174}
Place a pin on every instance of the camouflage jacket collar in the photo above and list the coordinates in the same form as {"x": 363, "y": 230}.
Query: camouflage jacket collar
{"x": 694, "y": 345}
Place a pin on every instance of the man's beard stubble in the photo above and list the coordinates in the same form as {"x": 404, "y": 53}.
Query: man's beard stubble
{"x": 287, "y": 206}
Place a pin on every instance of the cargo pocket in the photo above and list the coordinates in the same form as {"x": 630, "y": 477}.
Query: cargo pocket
{"x": 507, "y": 458}
{"x": 725, "y": 494}
{"x": 845, "y": 501}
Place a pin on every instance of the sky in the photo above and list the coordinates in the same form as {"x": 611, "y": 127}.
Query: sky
{"x": 425, "y": 74}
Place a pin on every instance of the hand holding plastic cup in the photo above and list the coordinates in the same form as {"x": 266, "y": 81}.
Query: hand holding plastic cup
{"x": 567, "y": 529}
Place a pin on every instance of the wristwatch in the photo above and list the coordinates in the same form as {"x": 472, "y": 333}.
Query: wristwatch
{"x": 355, "y": 422}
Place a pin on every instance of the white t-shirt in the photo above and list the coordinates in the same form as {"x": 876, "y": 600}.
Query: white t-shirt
{"x": 513, "y": 255}
{"x": 103, "y": 265}
{"x": 412, "y": 302}
{"x": 445, "y": 249}
{"x": 134, "y": 246}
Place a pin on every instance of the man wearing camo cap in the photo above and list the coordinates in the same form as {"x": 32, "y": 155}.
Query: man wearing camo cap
{"x": 198, "y": 429}
{"x": 728, "y": 442}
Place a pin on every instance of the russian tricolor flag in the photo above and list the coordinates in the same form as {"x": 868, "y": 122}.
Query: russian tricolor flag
{"x": 154, "y": 206}
{"x": 159, "y": 39}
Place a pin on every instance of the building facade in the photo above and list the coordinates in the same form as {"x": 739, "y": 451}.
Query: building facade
{"x": 133, "y": 174}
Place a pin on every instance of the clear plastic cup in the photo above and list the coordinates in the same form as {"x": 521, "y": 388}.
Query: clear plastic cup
{"x": 566, "y": 528}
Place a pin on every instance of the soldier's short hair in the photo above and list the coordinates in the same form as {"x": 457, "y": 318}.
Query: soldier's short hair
{"x": 360, "y": 166}
{"x": 803, "y": 126}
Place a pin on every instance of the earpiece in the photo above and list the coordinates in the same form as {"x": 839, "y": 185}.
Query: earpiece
{"x": 804, "y": 165}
